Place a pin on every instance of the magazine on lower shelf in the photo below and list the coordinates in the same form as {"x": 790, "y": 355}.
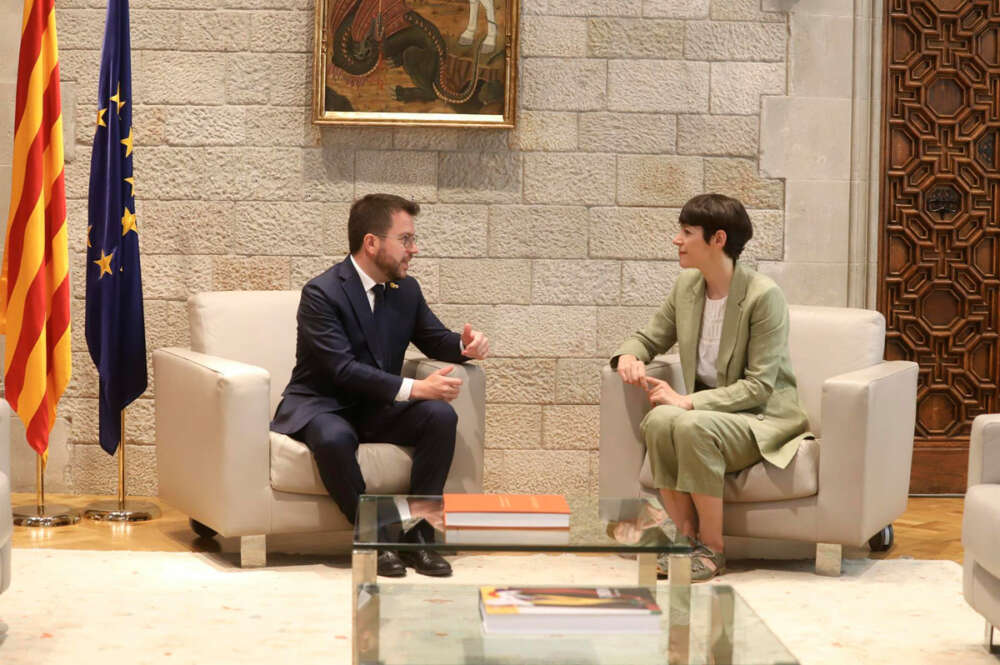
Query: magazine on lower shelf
{"x": 554, "y": 610}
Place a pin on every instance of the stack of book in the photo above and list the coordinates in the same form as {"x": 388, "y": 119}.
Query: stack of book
{"x": 490, "y": 518}
{"x": 555, "y": 610}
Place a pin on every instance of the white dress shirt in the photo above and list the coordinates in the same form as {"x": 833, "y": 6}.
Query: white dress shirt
{"x": 368, "y": 284}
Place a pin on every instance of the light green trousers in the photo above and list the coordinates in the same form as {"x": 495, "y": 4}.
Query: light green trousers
{"x": 691, "y": 451}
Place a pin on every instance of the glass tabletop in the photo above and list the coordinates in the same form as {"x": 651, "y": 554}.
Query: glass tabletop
{"x": 440, "y": 625}
{"x": 595, "y": 525}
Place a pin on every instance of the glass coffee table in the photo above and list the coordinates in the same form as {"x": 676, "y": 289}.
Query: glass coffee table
{"x": 621, "y": 526}
{"x": 410, "y": 624}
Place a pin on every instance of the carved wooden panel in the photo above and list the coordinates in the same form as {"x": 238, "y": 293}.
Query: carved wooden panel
{"x": 939, "y": 256}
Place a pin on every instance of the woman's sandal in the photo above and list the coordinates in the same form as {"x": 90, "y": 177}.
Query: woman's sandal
{"x": 700, "y": 559}
{"x": 662, "y": 565}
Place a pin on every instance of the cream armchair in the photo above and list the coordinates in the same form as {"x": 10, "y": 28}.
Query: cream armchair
{"x": 842, "y": 488}
{"x": 6, "y": 524}
{"x": 981, "y": 524}
{"x": 217, "y": 460}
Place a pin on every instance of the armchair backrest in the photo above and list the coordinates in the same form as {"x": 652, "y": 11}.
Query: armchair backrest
{"x": 253, "y": 327}
{"x": 827, "y": 341}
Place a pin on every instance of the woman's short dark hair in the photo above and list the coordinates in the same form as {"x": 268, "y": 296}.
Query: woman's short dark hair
{"x": 372, "y": 213}
{"x": 713, "y": 212}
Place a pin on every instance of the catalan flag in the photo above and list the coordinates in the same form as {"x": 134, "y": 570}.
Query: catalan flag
{"x": 34, "y": 279}
{"x": 116, "y": 335}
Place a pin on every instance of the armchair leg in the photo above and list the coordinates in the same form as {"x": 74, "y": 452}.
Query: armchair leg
{"x": 988, "y": 638}
{"x": 828, "y": 559}
{"x": 253, "y": 551}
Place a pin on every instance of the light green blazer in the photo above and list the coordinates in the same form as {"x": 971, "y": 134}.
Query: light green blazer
{"x": 754, "y": 371}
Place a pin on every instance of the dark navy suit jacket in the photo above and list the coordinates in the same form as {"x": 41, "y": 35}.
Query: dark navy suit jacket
{"x": 340, "y": 361}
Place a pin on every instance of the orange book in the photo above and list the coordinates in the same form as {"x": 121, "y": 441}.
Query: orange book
{"x": 517, "y": 511}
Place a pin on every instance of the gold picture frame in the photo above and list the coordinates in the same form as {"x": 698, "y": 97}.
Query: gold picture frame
{"x": 430, "y": 63}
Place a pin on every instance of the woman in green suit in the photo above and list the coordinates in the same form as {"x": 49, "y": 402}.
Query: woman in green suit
{"x": 730, "y": 324}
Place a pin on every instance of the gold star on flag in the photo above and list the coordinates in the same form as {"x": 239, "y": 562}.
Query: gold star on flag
{"x": 116, "y": 98}
{"x": 89, "y": 227}
{"x": 128, "y": 222}
{"x": 104, "y": 263}
{"x": 127, "y": 142}
{"x": 131, "y": 180}
{"x": 100, "y": 117}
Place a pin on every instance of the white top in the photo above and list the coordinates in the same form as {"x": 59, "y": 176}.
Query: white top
{"x": 708, "y": 343}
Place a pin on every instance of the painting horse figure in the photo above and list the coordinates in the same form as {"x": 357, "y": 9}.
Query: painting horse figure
{"x": 467, "y": 37}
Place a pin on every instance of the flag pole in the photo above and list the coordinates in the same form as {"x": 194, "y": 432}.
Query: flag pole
{"x": 40, "y": 515}
{"x": 122, "y": 509}
{"x": 121, "y": 465}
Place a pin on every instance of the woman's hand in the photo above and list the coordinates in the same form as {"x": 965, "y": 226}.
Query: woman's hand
{"x": 632, "y": 370}
{"x": 660, "y": 392}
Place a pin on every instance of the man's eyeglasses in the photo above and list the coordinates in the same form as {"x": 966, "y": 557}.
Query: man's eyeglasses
{"x": 409, "y": 240}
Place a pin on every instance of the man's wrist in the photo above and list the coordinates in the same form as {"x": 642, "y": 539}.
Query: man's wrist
{"x": 405, "y": 390}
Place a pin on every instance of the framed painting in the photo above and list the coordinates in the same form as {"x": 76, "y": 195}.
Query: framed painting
{"x": 415, "y": 62}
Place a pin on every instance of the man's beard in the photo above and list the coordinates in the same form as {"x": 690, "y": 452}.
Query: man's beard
{"x": 391, "y": 269}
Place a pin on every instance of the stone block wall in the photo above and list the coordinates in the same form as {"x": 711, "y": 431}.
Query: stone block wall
{"x": 553, "y": 237}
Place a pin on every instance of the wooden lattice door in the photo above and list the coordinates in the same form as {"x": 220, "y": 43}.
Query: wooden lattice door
{"x": 939, "y": 258}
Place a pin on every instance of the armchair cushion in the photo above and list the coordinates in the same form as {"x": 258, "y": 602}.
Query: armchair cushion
{"x": 981, "y": 526}
{"x": 764, "y": 481}
{"x": 385, "y": 467}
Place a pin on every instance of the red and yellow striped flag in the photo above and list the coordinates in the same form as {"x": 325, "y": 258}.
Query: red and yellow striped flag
{"x": 34, "y": 281}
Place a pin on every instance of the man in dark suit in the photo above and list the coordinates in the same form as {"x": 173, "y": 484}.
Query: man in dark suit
{"x": 354, "y": 324}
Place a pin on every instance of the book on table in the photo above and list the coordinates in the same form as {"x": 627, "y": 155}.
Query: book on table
{"x": 553, "y": 610}
{"x": 493, "y": 536}
{"x": 517, "y": 511}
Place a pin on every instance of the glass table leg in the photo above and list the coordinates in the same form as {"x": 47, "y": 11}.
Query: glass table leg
{"x": 679, "y": 569}
{"x": 363, "y": 631}
{"x": 647, "y": 569}
{"x": 720, "y": 626}
{"x": 679, "y": 624}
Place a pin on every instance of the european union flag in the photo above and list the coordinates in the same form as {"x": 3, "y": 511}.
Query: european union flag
{"x": 116, "y": 334}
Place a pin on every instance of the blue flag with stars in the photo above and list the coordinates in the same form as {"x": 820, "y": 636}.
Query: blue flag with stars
{"x": 116, "y": 333}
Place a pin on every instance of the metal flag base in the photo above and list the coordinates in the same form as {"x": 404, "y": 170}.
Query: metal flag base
{"x": 122, "y": 509}
{"x": 43, "y": 516}
{"x": 113, "y": 510}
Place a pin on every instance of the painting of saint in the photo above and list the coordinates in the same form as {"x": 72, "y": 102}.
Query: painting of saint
{"x": 416, "y": 61}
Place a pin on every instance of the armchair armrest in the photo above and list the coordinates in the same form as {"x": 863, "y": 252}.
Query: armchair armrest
{"x": 212, "y": 440}
{"x": 984, "y": 450}
{"x": 621, "y": 448}
{"x": 466, "y": 474}
{"x": 865, "y": 450}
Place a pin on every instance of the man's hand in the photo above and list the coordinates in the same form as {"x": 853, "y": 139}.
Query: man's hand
{"x": 474, "y": 343}
{"x": 437, "y": 385}
{"x": 632, "y": 370}
{"x": 660, "y": 392}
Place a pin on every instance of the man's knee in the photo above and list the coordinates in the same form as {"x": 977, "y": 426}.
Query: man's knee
{"x": 439, "y": 412}
{"x": 338, "y": 441}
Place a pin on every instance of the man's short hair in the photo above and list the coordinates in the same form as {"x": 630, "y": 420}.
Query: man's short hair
{"x": 713, "y": 212}
{"x": 372, "y": 213}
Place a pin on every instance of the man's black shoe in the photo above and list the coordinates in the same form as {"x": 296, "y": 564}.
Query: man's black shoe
{"x": 427, "y": 562}
{"x": 390, "y": 565}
